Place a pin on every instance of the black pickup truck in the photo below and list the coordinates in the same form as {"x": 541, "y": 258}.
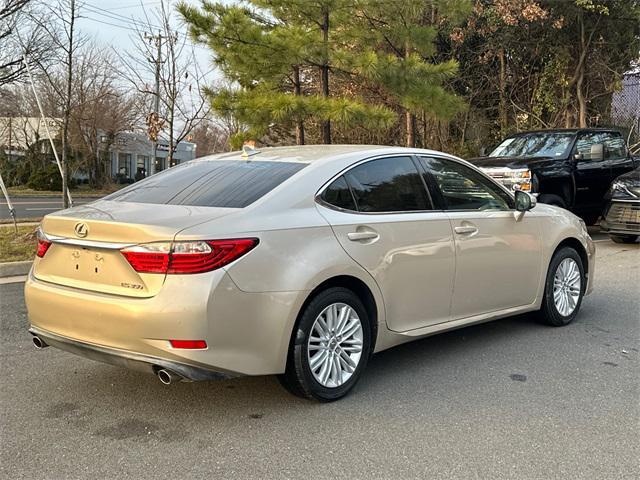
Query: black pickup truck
{"x": 570, "y": 168}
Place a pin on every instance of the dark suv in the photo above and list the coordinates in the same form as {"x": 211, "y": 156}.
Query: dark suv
{"x": 570, "y": 168}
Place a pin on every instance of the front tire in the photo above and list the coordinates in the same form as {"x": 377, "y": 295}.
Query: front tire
{"x": 330, "y": 347}
{"x": 564, "y": 288}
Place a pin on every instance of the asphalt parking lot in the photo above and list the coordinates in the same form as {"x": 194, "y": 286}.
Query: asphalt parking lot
{"x": 508, "y": 399}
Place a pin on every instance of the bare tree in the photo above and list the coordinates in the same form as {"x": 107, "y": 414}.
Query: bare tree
{"x": 21, "y": 36}
{"x": 210, "y": 136}
{"x": 176, "y": 104}
{"x": 100, "y": 108}
{"x": 60, "y": 26}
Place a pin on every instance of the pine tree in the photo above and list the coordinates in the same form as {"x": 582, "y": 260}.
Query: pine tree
{"x": 270, "y": 50}
{"x": 394, "y": 47}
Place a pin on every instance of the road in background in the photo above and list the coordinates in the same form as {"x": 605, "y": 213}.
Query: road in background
{"x": 32, "y": 206}
{"x": 507, "y": 399}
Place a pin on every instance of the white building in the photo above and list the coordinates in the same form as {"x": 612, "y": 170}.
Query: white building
{"x": 129, "y": 152}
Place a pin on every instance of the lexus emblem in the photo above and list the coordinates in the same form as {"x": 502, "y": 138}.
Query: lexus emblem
{"x": 81, "y": 229}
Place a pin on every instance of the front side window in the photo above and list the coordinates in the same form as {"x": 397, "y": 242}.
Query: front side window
{"x": 614, "y": 147}
{"x": 388, "y": 185}
{"x": 463, "y": 188}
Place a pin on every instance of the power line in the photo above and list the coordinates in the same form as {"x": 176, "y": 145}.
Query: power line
{"x": 121, "y": 18}
{"x": 127, "y": 23}
{"x": 124, "y": 7}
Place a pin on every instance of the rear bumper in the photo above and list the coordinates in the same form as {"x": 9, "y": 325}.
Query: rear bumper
{"x": 246, "y": 333}
{"x": 124, "y": 358}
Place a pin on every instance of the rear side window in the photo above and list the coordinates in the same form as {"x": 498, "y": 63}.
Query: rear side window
{"x": 339, "y": 195}
{"x": 224, "y": 183}
{"x": 388, "y": 185}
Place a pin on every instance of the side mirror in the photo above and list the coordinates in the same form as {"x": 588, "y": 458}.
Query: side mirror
{"x": 483, "y": 151}
{"x": 597, "y": 152}
{"x": 524, "y": 201}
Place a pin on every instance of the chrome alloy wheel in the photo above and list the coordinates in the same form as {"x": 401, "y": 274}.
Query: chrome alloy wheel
{"x": 335, "y": 345}
{"x": 567, "y": 287}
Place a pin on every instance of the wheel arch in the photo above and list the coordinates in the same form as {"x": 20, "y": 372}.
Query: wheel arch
{"x": 578, "y": 247}
{"x": 560, "y": 187}
{"x": 359, "y": 288}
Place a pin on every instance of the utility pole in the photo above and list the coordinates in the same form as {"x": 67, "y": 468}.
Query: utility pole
{"x": 155, "y": 118}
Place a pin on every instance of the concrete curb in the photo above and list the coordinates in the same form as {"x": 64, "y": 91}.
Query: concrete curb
{"x": 12, "y": 269}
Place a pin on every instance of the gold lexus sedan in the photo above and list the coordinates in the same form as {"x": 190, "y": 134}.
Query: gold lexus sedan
{"x": 300, "y": 262}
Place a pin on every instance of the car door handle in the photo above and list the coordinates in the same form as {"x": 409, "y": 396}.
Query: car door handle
{"x": 359, "y": 236}
{"x": 466, "y": 230}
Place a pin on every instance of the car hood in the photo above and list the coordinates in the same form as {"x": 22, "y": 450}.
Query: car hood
{"x": 510, "y": 162}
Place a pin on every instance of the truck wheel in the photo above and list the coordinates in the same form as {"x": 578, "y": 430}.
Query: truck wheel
{"x": 551, "y": 199}
{"x": 624, "y": 238}
{"x": 564, "y": 288}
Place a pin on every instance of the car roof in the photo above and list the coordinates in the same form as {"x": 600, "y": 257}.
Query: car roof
{"x": 314, "y": 153}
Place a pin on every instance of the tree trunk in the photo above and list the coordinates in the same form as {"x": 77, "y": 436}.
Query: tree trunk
{"x": 297, "y": 90}
{"x": 410, "y": 120}
{"x": 424, "y": 129}
{"x": 502, "y": 86}
{"x": 579, "y": 76}
{"x": 582, "y": 102}
{"x": 324, "y": 72}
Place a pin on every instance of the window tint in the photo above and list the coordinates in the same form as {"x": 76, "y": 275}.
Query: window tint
{"x": 228, "y": 183}
{"x": 339, "y": 195}
{"x": 463, "y": 188}
{"x": 388, "y": 185}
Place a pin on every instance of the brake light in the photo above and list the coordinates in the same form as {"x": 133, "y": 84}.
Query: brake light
{"x": 186, "y": 257}
{"x": 188, "y": 344}
{"x": 43, "y": 244}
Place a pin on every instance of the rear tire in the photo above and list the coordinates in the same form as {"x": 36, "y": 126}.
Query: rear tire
{"x": 624, "y": 238}
{"x": 551, "y": 199}
{"x": 321, "y": 366}
{"x": 564, "y": 288}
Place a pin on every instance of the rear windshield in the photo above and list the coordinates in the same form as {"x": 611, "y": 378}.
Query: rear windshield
{"x": 223, "y": 183}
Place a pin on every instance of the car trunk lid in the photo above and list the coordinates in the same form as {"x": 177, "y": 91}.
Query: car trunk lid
{"x": 86, "y": 243}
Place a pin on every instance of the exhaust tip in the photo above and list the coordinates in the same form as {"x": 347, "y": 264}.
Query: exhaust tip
{"x": 167, "y": 377}
{"x": 38, "y": 343}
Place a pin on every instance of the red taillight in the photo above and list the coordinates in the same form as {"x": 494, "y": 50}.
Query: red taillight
{"x": 186, "y": 257}
{"x": 43, "y": 244}
{"x": 188, "y": 344}
{"x": 148, "y": 258}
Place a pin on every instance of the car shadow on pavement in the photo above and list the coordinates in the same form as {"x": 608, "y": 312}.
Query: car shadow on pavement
{"x": 404, "y": 366}
{"x": 470, "y": 366}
